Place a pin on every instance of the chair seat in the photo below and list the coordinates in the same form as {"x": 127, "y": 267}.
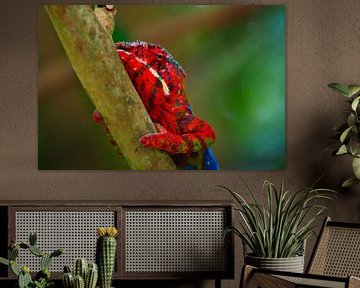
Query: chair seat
{"x": 267, "y": 279}
{"x": 316, "y": 281}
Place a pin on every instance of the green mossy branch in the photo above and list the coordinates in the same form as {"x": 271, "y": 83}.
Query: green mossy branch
{"x": 92, "y": 54}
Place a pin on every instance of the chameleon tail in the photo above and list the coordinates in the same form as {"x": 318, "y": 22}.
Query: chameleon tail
{"x": 205, "y": 160}
{"x": 209, "y": 160}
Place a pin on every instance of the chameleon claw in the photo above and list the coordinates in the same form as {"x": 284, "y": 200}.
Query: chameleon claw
{"x": 153, "y": 139}
{"x": 146, "y": 140}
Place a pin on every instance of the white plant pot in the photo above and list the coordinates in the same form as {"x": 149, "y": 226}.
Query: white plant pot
{"x": 291, "y": 264}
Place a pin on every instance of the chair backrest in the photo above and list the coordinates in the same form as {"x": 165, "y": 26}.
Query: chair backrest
{"x": 337, "y": 251}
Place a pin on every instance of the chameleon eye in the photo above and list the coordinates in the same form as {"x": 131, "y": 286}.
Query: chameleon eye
{"x": 159, "y": 56}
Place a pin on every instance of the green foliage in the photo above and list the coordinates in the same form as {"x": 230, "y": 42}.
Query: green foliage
{"x": 79, "y": 282}
{"x": 280, "y": 229}
{"x": 44, "y": 273}
{"x": 14, "y": 268}
{"x": 80, "y": 267}
{"x": 85, "y": 275}
{"x": 105, "y": 258}
{"x": 45, "y": 261}
{"x": 68, "y": 280}
{"x": 24, "y": 279}
{"x": 4, "y": 261}
{"x": 36, "y": 251}
{"x": 348, "y": 131}
{"x": 13, "y": 253}
{"x": 32, "y": 239}
{"x": 57, "y": 252}
{"x": 243, "y": 76}
{"x": 42, "y": 283}
{"x": 91, "y": 276}
{"x": 42, "y": 278}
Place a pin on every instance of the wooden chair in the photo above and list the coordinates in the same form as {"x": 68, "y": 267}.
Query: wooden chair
{"x": 334, "y": 263}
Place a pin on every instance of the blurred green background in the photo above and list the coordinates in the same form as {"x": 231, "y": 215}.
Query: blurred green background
{"x": 234, "y": 57}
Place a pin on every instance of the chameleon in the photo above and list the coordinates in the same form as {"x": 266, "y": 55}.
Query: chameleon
{"x": 160, "y": 82}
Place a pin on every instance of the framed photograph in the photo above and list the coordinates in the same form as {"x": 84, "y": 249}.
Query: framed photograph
{"x": 211, "y": 78}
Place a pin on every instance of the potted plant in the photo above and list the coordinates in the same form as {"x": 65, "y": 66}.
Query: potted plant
{"x": 106, "y": 254}
{"x": 42, "y": 278}
{"x": 348, "y": 132}
{"x": 84, "y": 274}
{"x": 276, "y": 233}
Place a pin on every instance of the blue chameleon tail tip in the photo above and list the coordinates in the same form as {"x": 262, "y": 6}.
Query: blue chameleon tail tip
{"x": 209, "y": 160}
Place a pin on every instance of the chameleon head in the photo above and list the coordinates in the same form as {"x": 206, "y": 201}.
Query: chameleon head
{"x": 138, "y": 54}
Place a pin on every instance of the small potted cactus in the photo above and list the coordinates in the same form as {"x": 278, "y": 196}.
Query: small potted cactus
{"x": 42, "y": 278}
{"x": 106, "y": 254}
{"x": 85, "y": 275}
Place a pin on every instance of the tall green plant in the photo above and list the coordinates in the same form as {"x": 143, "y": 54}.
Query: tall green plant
{"x": 106, "y": 254}
{"x": 349, "y": 131}
{"x": 42, "y": 278}
{"x": 279, "y": 229}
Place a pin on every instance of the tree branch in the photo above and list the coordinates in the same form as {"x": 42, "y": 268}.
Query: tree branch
{"x": 92, "y": 54}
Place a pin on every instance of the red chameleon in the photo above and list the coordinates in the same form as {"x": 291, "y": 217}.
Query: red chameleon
{"x": 159, "y": 80}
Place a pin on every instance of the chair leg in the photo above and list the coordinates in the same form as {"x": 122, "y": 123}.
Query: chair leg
{"x": 246, "y": 273}
{"x": 217, "y": 283}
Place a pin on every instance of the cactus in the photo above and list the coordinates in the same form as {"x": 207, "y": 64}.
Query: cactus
{"x": 24, "y": 245}
{"x": 13, "y": 253}
{"x": 91, "y": 276}
{"x": 44, "y": 273}
{"x": 32, "y": 238}
{"x": 57, "y": 253}
{"x": 4, "y": 261}
{"x": 79, "y": 282}
{"x": 24, "y": 277}
{"x": 68, "y": 280}
{"x": 14, "y": 268}
{"x": 105, "y": 254}
{"x": 42, "y": 278}
{"x": 45, "y": 261}
{"x": 80, "y": 267}
{"x": 67, "y": 269}
{"x": 89, "y": 272}
{"x": 36, "y": 251}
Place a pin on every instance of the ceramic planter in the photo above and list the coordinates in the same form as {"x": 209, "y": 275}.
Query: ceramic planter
{"x": 291, "y": 264}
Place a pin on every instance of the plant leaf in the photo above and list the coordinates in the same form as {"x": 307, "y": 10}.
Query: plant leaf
{"x": 355, "y": 103}
{"x": 14, "y": 268}
{"x": 351, "y": 121}
{"x": 32, "y": 238}
{"x": 345, "y": 134}
{"x": 354, "y": 145}
{"x": 353, "y": 89}
{"x": 356, "y": 167}
{"x": 342, "y": 150}
{"x": 340, "y": 88}
{"x": 349, "y": 182}
{"x": 4, "y": 261}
